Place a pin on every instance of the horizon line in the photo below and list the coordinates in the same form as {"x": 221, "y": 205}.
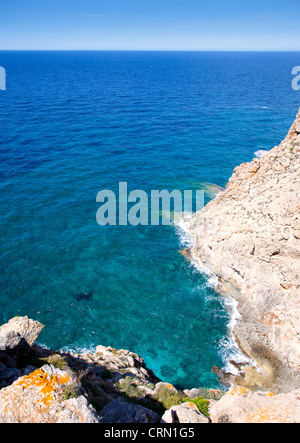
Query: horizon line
{"x": 153, "y": 50}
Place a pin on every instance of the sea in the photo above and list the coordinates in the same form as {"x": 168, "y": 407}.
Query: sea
{"x": 75, "y": 123}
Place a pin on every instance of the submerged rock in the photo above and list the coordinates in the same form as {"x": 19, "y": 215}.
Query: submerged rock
{"x": 88, "y": 296}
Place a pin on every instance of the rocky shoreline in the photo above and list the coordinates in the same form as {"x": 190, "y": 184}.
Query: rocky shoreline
{"x": 249, "y": 237}
{"x": 38, "y": 385}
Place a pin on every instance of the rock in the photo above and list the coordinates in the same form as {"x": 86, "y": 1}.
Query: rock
{"x": 186, "y": 253}
{"x": 224, "y": 377}
{"x": 64, "y": 389}
{"x": 122, "y": 360}
{"x": 8, "y": 375}
{"x": 185, "y": 413}
{"x": 193, "y": 393}
{"x": 43, "y": 397}
{"x": 164, "y": 386}
{"x": 242, "y": 406}
{"x": 249, "y": 237}
{"x": 120, "y": 412}
{"x": 18, "y": 335}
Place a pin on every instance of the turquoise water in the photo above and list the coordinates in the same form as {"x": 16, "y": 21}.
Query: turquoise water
{"x": 73, "y": 123}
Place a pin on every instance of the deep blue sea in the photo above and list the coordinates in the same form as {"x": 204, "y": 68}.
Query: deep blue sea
{"x": 74, "y": 123}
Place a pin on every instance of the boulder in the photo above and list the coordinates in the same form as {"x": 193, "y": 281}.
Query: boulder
{"x": 118, "y": 411}
{"x": 185, "y": 413}
{"x": 47, "y": 395}
{"x": 18, "y": 335}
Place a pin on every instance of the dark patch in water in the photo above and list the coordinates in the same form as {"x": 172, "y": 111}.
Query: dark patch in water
{"x": 88, "y": 296}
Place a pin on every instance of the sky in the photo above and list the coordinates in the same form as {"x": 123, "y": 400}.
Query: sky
{"x": 192, "y": 25}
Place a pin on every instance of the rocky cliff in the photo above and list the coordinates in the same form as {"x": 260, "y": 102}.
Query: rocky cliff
{"x": 249, "y": 236}
{"x": 113, "y": 386}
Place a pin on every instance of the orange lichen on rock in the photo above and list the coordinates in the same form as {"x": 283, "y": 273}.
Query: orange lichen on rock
{"x": 47, "y": 383}
{"x": 270, "y": 414}
{"x": 191, "y": 405}
{"x": 240, "y": 391}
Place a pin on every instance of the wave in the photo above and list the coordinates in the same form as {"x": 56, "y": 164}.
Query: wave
{"x": 229, "y": 349}
{"x": 260, "y": 153}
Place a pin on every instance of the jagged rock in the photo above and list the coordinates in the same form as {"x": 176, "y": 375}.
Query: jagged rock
{"x": 249, "y": 237}
{"x": 242, "y": 406}
{"x": 164, "y": 386}
{"x": 18, "y": 335}
{"x": 129, "y": 363}
{"x": 64, "y": 390}
{"x": 185, "y": 413}
{"x": 42, "y": 397}
{"x": 120, "y": 412}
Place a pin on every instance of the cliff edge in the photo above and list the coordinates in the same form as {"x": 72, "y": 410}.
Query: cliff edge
{"x": 249, "y": 236}
{"x": 38, "y": 385}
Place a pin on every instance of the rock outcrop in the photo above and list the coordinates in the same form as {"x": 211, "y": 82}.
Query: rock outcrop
{"x": 115, "y": 386}
{"x": 41, "y": 397}
{"x": 185, "y": 413}
{"x": 249, "y": 236}
{"x": 18, "y": 335}
{"x": 242, "y": 406}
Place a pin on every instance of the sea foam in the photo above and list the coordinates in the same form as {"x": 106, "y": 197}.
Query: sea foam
{"x": 229, "y": 349}
{"x": 260, "y": 153}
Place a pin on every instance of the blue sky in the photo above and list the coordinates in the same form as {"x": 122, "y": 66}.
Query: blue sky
{"x": 150, "y": 25}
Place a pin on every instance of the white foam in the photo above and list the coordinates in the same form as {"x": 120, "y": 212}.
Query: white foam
{"x": 75, "y": 349}
{"x": 260, "y": 153}
{"x": 229, "y": 348}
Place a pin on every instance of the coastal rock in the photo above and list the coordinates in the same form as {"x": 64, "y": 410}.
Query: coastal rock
{"x": 120, "y": 412}
{"x": 185, "y": 413}
{"x": 249, "y": 237}
{"x": 123, "y": 362}
{"x": 42, "y": 397}
{"x": 242, "y": 406}
{"x": 19, "y": 334}
{"x": 115, "y": 386}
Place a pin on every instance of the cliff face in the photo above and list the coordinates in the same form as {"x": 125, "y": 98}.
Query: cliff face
{"x": 249, "y": 236}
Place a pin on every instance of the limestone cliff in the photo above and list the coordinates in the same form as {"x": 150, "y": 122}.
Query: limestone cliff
{"x": 249, "y": 236}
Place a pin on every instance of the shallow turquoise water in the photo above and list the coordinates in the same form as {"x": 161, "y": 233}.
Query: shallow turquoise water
{"x": 72, "y": 124}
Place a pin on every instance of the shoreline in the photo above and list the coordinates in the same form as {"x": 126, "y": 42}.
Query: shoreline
{"x": 248, "y": 238}
{"x": 237, "y": 358}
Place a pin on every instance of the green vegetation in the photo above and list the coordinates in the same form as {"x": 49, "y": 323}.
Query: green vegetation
{"x": 56, "y": 360}
{"x": 201, "y": 403}
{"x": 71, "y": 391}
{"x": 168, "y": 397}
{"x": 129, "y": 387}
